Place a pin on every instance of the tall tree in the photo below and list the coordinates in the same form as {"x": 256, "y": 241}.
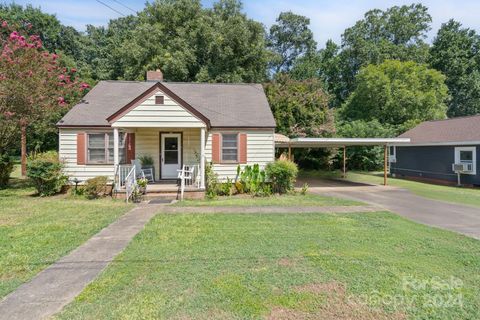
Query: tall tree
{"x": 300, "y": 107}
{"x": 218, "y": 44}
{"x": 398, "y": 93}
{"x": 290, "y": 38}
{"x": 32, "y": 86}
{"x": 455, "y": 52}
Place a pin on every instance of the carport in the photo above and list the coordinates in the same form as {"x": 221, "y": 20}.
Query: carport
{"x": 282, "y": 141}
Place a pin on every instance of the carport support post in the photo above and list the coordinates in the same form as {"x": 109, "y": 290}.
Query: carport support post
{"x": 385, "y": 149}
{"x": 289, "y": 152}
{"x": 344, "y": 162}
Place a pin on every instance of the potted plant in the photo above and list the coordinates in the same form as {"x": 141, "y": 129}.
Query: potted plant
{"x": 142, "y": 185}
{"x": 147, "y": 163}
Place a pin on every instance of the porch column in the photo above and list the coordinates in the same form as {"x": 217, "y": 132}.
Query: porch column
{"x": 115, "y": 147}
{"x": 202, "y": 158}
{"x": 385, "y": 164}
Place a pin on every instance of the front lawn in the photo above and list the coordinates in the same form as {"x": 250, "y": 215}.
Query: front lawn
{"x": 287, "y": 266}
{"x": 452, "y": 194}
{"x": 292, "y": 200}
{"x": 35, "y": 232}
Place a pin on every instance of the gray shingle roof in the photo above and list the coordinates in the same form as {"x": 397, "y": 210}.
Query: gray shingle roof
{"x": 225, "y": 105}
{"x": 461, "y": 129}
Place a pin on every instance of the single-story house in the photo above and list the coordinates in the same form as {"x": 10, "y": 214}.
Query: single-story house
{"x": 440, "y": 151}
{"x": 173, "y": 123}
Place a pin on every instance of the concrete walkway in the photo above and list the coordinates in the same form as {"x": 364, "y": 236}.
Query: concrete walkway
{"x": 455, "y": 217}
{"x": 270, "y": 209}
{"x": 53, "y": 288}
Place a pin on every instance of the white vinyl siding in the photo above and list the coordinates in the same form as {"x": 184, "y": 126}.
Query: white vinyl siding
{"x": 167, "y": 115}
{"x": 147, "y": 142}
{"x": 260, "y": 149}
{"x": 68, "y": 154}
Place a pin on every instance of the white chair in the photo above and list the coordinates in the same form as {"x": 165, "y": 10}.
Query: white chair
{"x": 143, "y": 173}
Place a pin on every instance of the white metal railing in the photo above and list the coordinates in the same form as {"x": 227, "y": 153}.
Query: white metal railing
{"x": 130, "y": 183}
{"x": 121, "y": 175}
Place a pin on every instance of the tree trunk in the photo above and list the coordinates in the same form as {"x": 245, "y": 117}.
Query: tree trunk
{"x": 23, "y": 128}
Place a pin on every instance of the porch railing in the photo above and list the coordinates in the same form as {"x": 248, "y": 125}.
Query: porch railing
{"x": 130, "y": 183}
{"x": 121, "y": 174}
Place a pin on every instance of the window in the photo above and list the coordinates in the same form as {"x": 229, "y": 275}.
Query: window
{"x": 230, "y": 147}
{"x": 392, "y": 154}
{"x": 467, "y": 155}
{"x": 159, "y": 100}
{"x": 100, "y": 147}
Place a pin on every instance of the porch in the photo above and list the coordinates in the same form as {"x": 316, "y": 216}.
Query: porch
{"x": 172, "y": 152}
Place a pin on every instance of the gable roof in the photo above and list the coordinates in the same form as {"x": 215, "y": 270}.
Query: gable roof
{"x": 222, "y": 105}
{"x": 461, "y": 129}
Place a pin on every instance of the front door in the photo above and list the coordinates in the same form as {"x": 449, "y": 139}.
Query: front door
{"x": 171, "y": 155}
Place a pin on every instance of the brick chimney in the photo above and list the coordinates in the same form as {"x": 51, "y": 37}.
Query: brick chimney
{"x": 156, "y": 75}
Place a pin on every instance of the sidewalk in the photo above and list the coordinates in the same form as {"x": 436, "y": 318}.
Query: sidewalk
{"x": 53, "y": 288}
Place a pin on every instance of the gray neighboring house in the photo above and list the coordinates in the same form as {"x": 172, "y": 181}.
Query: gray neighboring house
{"x": 175, "y": 124}
{"x": 438, "y": 149}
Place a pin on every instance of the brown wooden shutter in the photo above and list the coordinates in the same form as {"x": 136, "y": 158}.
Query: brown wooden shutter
{"x": 242, "y": 148}
{"x": 130, "y": 146}
{"x": 216, "y": 148}
{"x": 81, "y": 148}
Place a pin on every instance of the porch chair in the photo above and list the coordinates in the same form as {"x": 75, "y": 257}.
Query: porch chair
{"x": 143, "y": 173}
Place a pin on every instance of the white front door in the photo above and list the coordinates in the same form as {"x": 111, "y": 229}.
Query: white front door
{"x": 171, "y": 155}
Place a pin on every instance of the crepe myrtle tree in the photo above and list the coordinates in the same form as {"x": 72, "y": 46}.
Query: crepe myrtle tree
{"x": 33, "y": 84}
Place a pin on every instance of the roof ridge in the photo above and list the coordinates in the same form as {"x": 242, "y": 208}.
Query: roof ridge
{"x": 455, "y": 118}
{"x": 214, "y": 83}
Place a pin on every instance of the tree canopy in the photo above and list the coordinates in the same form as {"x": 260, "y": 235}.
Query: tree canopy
{"x": 455, "y": 52}
{"x": 289, "y": 39}
{"x": 397, "y": 93}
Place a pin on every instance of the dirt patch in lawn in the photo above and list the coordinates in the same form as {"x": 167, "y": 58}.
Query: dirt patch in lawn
{"x": 337, "y": 306}
{"x": 286, "y": 262}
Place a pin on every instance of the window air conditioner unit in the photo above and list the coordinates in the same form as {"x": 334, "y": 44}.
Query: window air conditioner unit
{"x": 462, "y": 167}
{"x": 392, "y": 159}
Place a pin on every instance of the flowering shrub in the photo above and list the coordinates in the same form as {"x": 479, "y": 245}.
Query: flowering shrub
{"x": 33, "y": 84}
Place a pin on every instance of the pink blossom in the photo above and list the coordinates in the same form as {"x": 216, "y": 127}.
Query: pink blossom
{"x": 84, "y": 85}
{"x": 4, "y": 24}
{"x": 54, "y": 56}
{"x": 14, "y": 35}
{"x": 8, "y": 114}
{"x": 73, "y": 70}
{"x": 61, "y": 77}
{"x": 61, "y": 101}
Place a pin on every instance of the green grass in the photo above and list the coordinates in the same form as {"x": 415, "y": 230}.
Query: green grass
{"x": 228, "y": 266}
{"x": 294, "y": 200}
{"x": 452, "y": 194}
{"x": 35, "y": 232}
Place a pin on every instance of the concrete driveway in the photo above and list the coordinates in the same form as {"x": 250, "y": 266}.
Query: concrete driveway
{"x": 455, "y": 217}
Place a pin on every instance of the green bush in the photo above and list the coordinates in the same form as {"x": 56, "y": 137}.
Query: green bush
{"x": 96, "y": 187}
{"x": 6, "y": 168}
{"x": 282, "y": 174}
{"x": 211, "y": 182}
{"x": 252, "y": 180}
{"x": 45, "y": 171}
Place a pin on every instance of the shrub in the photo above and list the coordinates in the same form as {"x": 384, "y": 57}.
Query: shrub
{"x": 45, "y": 171}
{"x": 211, "y": 182}
{"x": 282, "y": 174}
{"x": 6, "y": 168}
{"x": 252, "y": 180}
{"x": 96, "y": 187}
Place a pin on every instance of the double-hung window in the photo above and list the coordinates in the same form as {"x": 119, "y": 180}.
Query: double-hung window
{"x": 100, "y": 147}
{"x": 230, "y": 147}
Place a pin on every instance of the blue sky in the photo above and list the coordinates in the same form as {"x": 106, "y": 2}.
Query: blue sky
{"x": 328, "y": 18}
